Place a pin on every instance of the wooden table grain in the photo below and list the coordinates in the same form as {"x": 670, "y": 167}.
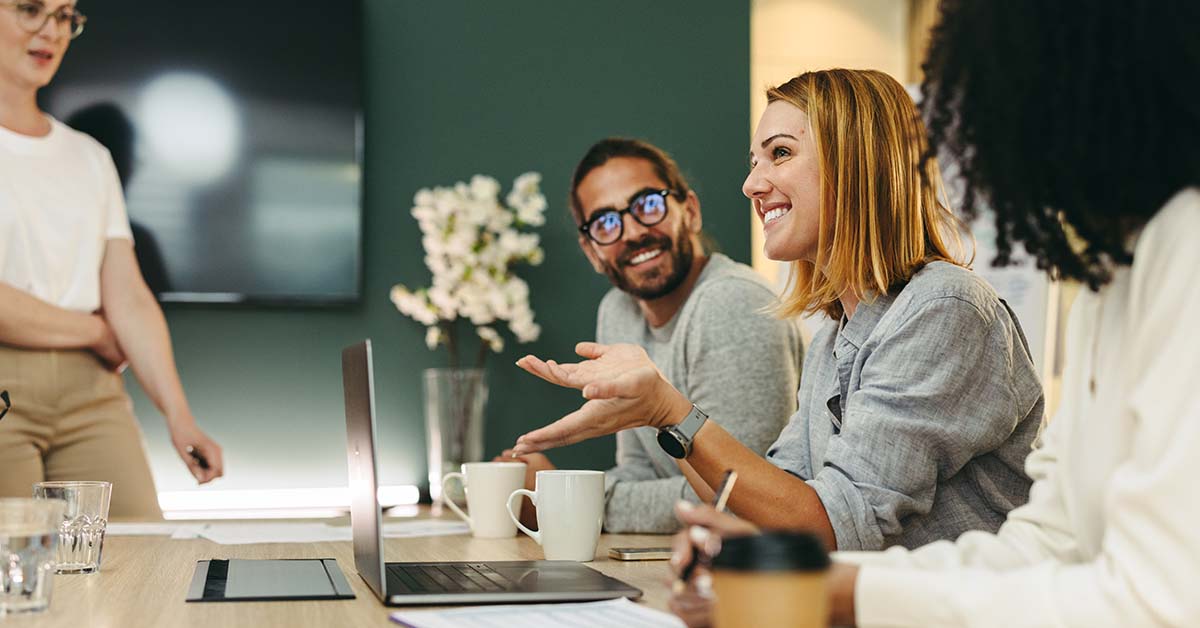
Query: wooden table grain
{"x": 143, "y": 581}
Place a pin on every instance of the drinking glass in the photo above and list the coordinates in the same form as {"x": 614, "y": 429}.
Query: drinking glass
{"x": 28, "y": 536}
{"x": 81, "y": 532}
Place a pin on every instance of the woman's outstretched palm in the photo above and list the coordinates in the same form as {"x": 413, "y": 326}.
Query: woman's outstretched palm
{"x": 623, "y": 387}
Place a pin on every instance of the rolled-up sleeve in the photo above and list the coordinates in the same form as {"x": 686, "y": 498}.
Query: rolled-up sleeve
{"x": 934, "y": 392}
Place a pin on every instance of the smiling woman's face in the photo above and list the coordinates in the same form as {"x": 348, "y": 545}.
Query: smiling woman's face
{"x": 28, "y": 61}
{"x": 784, "y": 183}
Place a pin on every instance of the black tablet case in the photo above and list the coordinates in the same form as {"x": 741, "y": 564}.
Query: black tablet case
{"x": 239, "y": 580}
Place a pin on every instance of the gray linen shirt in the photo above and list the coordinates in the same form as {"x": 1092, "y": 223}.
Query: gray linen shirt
{"x": 916, "y": 414}
{"x": 724, "y": 354}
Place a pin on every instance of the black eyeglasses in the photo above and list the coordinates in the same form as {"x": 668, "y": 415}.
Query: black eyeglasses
{"x": 607, "y": 226}
{"x": 32, "y": 17}
{"x": 7, "y": 403}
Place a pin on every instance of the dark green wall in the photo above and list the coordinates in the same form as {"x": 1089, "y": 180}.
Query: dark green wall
{"x": 455, "y": 88}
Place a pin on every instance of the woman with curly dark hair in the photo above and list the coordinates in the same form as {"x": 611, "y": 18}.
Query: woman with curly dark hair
{"x": 1079, "y": 125}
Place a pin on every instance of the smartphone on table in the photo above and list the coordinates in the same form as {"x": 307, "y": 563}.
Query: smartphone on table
{"x": 639, "y": 553}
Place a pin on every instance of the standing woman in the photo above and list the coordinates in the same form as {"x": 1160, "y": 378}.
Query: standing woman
{"x": 1079, "y": 124}
{"x": 74, "y": 309}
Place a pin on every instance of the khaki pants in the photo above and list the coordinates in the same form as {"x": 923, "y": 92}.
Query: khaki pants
{"x": 72, "y": 420}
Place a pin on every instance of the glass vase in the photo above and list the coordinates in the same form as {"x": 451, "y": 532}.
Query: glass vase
{"x": 454, "y": 403}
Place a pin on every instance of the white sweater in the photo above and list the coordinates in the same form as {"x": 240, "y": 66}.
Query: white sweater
{"x": 1111, "y": 533}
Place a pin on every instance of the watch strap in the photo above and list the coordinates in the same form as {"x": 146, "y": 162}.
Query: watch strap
{"x": 691, "y": 423}
{"x": 676, "y": 439}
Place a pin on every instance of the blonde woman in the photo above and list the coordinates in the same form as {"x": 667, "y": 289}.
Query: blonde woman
{"x": 919, "y": 400}
{"x": 1101, "y": 184}
{"x": 66, "y": 251}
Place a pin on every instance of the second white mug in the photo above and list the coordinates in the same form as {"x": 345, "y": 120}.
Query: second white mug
{"x": 487, "y": 485}
{"x": 570, "y": 512}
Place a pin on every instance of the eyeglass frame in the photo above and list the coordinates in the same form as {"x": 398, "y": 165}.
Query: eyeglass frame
{"x": 57, "y": 14}
{"x": 665, "y": 193}
{"x": 7, "y": 403}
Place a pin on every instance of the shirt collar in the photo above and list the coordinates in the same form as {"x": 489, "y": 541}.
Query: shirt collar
{"x": 858, "y": 328}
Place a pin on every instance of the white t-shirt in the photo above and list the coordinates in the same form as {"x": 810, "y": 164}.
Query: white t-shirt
{"x": 60, "y": 202}
{"x": 1108, "y": 537}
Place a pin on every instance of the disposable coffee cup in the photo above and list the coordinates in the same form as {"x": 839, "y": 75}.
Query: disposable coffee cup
{"x": 776, "y": 579}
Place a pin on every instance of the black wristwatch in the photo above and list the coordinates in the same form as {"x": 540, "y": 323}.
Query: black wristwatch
{"x": 676, "y": 439}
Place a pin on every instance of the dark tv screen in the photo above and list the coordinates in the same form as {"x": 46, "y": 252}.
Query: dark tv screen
{"x": 236, "y": 127}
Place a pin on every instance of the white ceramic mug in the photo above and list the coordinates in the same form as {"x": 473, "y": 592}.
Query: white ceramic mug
{"x": 570, "y": 510}
{"x": 487, "y": 485}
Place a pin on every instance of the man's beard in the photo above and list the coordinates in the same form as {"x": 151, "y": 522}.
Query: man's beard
{"x": 664, "y": 280}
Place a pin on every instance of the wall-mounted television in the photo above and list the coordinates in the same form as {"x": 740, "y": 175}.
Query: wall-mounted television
{"x": 237, "y": 127}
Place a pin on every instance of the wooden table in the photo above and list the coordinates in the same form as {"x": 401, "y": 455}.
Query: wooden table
{"x": 143, "y": 581}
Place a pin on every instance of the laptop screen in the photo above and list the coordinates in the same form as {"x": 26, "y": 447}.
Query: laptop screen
{"x": 358, "y": 384}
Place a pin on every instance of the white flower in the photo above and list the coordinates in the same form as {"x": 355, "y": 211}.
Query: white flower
{"x": 446, "y": 304}
{"x": 493, "y": 339}
{"x": 472, "y": 241}
{"x": 525, "y": 329}
{"x": 412, "y": 304}
{"x": 484, "y": 188}
{"x": 526, "y": 185}
{"x": 500, "y": 220}
{"x": 527, "y": 243}
{"x": 527, "y": 199}
{"x": 531, "y": 211}
{"x": 433, "y": 337}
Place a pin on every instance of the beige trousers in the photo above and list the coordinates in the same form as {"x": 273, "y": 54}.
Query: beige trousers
{"x": 71, "y": 419}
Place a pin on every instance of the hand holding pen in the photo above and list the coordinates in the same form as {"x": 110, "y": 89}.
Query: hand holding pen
{"x": 694, "y": 547}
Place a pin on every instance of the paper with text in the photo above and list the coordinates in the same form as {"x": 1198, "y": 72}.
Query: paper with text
{"x": 620, "y": 612}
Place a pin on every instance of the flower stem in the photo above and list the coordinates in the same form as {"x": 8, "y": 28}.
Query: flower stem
{"x": 451, "y": 342}
{"x": 482, "y": 355}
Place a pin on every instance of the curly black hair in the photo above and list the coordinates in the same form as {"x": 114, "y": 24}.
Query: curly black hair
{"x": 1067, "y": 116}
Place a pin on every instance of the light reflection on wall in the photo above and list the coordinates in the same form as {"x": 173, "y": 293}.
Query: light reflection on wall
{"x": 191, "y": 125}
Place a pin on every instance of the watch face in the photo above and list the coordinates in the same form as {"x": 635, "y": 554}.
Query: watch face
{"x": 671, "y": 444}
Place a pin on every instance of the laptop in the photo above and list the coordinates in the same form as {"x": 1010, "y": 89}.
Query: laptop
{"x": 479, "y": 582}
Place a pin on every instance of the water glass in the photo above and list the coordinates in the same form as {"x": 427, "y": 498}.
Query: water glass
{"x": 28, "y": 536}
{"x": 81, "y": 533}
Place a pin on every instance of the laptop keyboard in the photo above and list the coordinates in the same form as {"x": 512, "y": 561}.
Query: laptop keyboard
{"x": 443, "y": 578}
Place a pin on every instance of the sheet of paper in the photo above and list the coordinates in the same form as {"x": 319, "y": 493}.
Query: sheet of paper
{"x": 228, "y": 533}
{"x": 621, "y": 612}
{"x": 424, "y": 527}
{"x": 274, "y": 532}
{"x": 120, "y": 528}
{"x": 188, "y": 531}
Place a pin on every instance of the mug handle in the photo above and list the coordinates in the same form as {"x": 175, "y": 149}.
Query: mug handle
{"x": 446, "y": 495}
{"x": 537, "y": 536}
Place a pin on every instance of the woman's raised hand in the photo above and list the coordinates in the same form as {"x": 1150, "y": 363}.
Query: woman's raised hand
{"x": 623, "y": 387}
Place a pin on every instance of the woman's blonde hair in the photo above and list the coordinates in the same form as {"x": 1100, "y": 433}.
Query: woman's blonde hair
{"x": 881, "y": 219}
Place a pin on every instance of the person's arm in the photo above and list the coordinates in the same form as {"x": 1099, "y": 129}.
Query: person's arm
{"x": 31, "y": 323}
{"x": 633, "y": 467}
{"x": 626, "y": 390}
{"x": 741, "y": 366}
{"x": 920, "y": 395}
{"x": 1146, "y": 573}
{"x": 138, "y": 323}
{"x": 1033, "y": 533}
{"x": 635, "y": 491}
{"x": 1147, "y": 569}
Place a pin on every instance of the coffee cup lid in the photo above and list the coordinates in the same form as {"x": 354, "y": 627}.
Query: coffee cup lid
{"x": 772, "y": 551}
